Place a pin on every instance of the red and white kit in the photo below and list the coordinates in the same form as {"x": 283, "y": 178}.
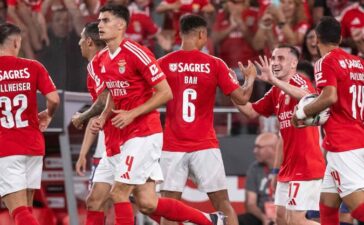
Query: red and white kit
{"x": 303, "y": 163}
{"x": 22, "y": 143}
{"x": 189, "y": 138}
{"x": 130, "y": 74}
{"x": 345, "y": 126}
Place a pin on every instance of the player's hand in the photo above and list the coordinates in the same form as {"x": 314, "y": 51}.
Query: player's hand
{"x": 265, "y": 66}
{"x": 44, "y": 120}
{"x": 97, "y": 124}
{"x": 122, "y": 119}
{"x": 76, "y": 121}
{"x": 249, "y": 72}
{"x": 295, "y": 121}
{"x": 81, "y": 165}
{"x": 44, "y": 39}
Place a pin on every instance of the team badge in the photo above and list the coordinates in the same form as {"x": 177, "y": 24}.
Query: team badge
{"x": 173, "y": 67}
{"x": 342, "y": 64}
{"x": 122, "y": 64}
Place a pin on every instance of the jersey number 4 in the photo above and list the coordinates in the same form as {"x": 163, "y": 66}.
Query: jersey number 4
{"x": 8, "y": 120}
{"x": 188, "y": 108}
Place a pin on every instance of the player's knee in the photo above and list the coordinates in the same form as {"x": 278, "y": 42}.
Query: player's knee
{"x": 281, "y": 217}
{"x": 146, "y": 206}
{"x": 94, "y": 202}
{"x": 296, "y": 219}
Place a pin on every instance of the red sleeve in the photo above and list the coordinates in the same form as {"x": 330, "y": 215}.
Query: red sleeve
{"x": 151, "y": 28}
{"x": 37, "y": 7}
{"x": 265, "y": 106}
{"x": 325, "y": 73}
{"x": 345, "y": 26}
{"x": 11, "y": 2}
{"x": 145, "y": 63}
{"x": 226, "y": 82}
{"x": 44, "y": 82}
{"x": 94, "y": 70}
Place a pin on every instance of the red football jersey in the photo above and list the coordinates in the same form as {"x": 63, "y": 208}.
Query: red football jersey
{"x": 345, "y": 126}
{"x": 35, "y": 5}
{"x": 234, "y": 47}
{"x": 130, "y": 74}
{"x": 141, "y": 28}
{"x": 302, "y": 157}
{"x": 187, "y": 6}
{"x": 95, "y": 87}
{"x": 193, "y": 77}
{"x": 19, "y": 127}
{"x": 352, "y": 18}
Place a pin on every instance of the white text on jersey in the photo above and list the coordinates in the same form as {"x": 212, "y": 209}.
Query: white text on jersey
{"x": 14, "y": 74}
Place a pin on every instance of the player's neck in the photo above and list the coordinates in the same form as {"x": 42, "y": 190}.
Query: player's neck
{"x": 324, "y": 49}
{"x": 6, "y": 52}
{"x": 188, "y": 46}
{"x": 114, "y": 44}
{"x": 92, "y": 54}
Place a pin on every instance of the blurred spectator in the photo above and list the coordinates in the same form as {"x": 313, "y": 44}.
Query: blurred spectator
{"x": 27, "y": 15}
{"x": 177, "y": 8}
{"x": 259, "y": 194}
{"x": 2, "y": 11}
{"x": 234, "y": 33}
{"x": 309, "y": 47}
{"x": 328, "y": 8}
{"x": 62, "y": 58}
{"x": 352, "y": 26}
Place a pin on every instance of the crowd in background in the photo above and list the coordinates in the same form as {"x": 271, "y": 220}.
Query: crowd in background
{"x": 240, "y": 30}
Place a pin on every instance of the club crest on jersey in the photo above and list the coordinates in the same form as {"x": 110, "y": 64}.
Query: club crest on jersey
{"x": 122, "y": 64}
{"x": 342, "y": 64}
{"x": 173, "y": 67}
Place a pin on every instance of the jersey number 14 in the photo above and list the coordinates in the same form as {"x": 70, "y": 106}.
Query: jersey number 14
{"x": 357, "y": 92}
{"x": 9, "y": 120}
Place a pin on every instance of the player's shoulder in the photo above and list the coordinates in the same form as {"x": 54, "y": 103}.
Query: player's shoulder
{"x": 137, "y": 51}
{"x": 348, "y": 11}
{"x": 300, "y": 81}
{"x": 29, "y": 62}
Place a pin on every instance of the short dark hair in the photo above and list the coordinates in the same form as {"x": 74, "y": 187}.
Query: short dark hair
{"x": 92, "y": 31}
{"x": 118, "y": 11}
{"x": 8, "y": 29}
{"x": 293, "y": 50}
{"x": 328, "y": 30}
{"x": 190, "y": 22}
{"x": 307, "y": 68}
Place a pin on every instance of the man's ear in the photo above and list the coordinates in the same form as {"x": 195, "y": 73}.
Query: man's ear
{"x": 89, "y": 41}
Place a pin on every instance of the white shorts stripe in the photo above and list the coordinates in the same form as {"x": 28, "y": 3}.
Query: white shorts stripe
{"x": 138, "y": 52}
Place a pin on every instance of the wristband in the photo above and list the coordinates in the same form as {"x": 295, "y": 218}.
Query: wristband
{"x": 274, "y": 171}
{"x": 300, "y": 114}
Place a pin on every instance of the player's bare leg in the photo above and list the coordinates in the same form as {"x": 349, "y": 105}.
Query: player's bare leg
{"x": 17, "y": 204}
{"x": 281, "y": 215}
{"x": 30, "y": 197}
{"x": 355, "y": 202}
{"x": 96, "y": 203}
{"x": 220, "y": 201}
{"x": 329, "y": 208}
{"x": 98, "y": 196}
{"x": 295, "y": 217}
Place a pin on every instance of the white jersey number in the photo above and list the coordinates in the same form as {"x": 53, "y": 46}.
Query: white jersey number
{"x": 9, "y": 120}
{"x": 188, "y": 108}
{"x": 357, "y": 103}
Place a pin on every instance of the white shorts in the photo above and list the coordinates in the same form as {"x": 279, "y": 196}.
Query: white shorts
{"x": 298, "y": 195}
{"x": 140, "y": 160}
{"x": 20, "y": 172}
{"x": 100, "y": 147}
{"x": 344, "y": 172}
{"x": 105, "y": 172}
{"x": 204, "y": 167}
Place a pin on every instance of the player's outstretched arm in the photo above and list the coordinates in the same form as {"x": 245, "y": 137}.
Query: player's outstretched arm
{"x": 242, "y": 95}
{"x": 267, "y": 76}
{"x": 88, "y": 139}
{"x": 96, "y": 109}
{"x": 161, "y": 96}
{"x": 327, "y": 98}
{"x": 247, "y": 110}
{"x": 45, "y": 116}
